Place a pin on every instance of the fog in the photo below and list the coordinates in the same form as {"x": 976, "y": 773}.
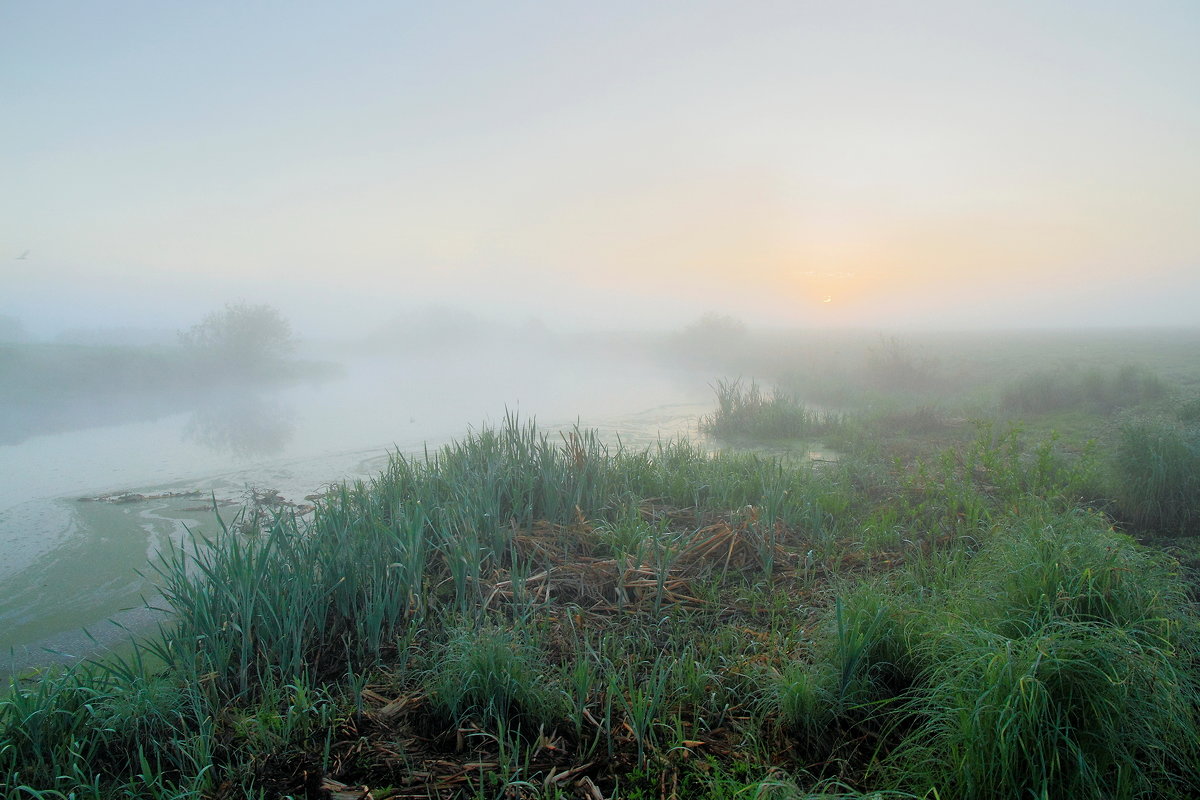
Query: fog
{"x": 439, "y": 215}
{"x": 849, "y": 165}
{"x": 111, "y": 452}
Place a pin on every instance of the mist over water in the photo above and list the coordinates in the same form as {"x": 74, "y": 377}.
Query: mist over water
{"x": 416, "y": 216}
{"x": 89, "y": 499}
{"x": 908, "y": 292}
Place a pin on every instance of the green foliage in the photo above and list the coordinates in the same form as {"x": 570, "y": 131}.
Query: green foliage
{"x": 1057, "y": 659}
{"x": 530, "y": 604}
{"x": 1157, "y": 475}
{"x": 1070, "y": 709}
{"x": 85, "y": 732}
{"x": 894, "y": 365}
{"x": 493, "y": 673}
{"x": 1097, "y": 390}
{"x": 1068, "y": 566}
{"x": 242, "y": 336}
{"x": 745, "y": 412}
{"x": 804, "y": 701}
{"x": 1053, "y": 667}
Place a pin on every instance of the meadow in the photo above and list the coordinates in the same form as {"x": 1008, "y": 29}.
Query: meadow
{"x": 990, "y": 592}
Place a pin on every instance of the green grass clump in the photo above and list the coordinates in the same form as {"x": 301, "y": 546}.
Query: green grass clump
{"x": 746, "y": 412}
{"x": 1069, "y": 566}
{"x": 98, "y": 733}
{"x": 520, "y": 614}
{"x": 1157, "y": 476}
{"x": 1071, "y": 709}
{"x": 1050, "y": 657}
{"x": 494, "y": 673}
{"x": 1060, "y": 663}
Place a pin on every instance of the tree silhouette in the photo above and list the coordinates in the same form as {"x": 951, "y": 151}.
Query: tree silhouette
{"x": 242, "y": 336}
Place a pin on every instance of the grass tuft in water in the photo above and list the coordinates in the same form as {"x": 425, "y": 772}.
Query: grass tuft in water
{"x": 746, "y": 412}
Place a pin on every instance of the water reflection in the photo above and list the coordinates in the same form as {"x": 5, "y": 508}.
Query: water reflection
{"x": 63, "y": 412}
{"x": 244, "y": 425}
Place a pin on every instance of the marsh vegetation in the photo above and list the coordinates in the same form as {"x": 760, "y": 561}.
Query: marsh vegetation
{"x": 982, "y": 596}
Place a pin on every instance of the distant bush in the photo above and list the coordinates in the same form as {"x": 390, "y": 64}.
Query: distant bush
{"x": 891, "y": 364}
{"x": 1094, "y": 390}
{"x": 1189, "y": 411}
{"x": 713, "y": 339}
{"x": 242, "y": 336}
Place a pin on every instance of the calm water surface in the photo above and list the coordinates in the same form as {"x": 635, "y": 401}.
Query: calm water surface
{"x": 74, "y": 575}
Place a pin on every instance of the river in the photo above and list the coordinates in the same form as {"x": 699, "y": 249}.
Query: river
{"x": 75, "y": 573}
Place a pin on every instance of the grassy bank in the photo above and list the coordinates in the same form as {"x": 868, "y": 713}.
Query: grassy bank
{"x": 525, "y": 615}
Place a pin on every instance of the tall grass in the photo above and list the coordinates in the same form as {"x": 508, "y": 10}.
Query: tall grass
{"x": 746, "y": 412}
{"x": 308, "y": 599}
{"x": 494, "y": 673}
{"x": 1056, "y": 660}
{"x": 95, "y": 733}
{"x": 1157, "y": 475}
{"x": 523, "y": 606}
{"x": 1058, "y": 665}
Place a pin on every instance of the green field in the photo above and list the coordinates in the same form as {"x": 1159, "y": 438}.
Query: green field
{"x": 987, "y": 593}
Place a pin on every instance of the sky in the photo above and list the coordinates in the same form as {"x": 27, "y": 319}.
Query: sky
{"x": 615, "y": 165}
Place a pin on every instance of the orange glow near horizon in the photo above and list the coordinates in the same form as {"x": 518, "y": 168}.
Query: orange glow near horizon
{"x": 513, "y": 166}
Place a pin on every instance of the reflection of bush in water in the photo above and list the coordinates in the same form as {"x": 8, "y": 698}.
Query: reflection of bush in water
{"x": 243, "y": 426}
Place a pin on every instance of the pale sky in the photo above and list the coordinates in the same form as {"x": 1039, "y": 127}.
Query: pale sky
{"x": 883, "y": 165}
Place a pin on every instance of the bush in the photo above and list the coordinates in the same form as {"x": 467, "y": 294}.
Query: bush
{"x": 1095, "y": 390}
{"x": 241, "y": 336}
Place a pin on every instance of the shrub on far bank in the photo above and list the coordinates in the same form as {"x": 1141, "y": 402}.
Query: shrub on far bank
{"x": 1094, "y": 390}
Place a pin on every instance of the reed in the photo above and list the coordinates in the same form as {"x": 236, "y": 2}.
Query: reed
{"x": 746, "y": 412}
{"x": 544, "y": 613}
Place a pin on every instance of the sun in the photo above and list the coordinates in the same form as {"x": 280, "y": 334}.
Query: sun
{"x": 828, "y": 289}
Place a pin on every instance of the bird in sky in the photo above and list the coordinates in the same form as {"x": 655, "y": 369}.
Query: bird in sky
{"x": 23, "y": 256}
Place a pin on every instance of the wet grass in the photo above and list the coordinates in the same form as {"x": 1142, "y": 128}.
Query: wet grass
{"x": 952, "y": 608}
{"x": 745, "y": 412}
{"x": 527, "y": 615}
{"x": 1157, "y": 474}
